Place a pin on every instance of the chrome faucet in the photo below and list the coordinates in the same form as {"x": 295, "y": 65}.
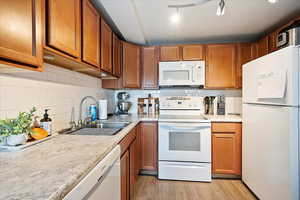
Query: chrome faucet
{"x": 80, "y": 122}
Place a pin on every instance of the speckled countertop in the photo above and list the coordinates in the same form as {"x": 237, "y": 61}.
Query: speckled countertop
{"x": 224, "y": 118}
{"x": 49, "y": 170}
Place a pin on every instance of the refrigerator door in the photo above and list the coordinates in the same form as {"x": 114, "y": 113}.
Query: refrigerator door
{"x": 273, "y": 79}
{"x": 271, "y": 151}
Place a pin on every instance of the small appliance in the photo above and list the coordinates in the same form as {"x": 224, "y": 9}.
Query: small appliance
{"x": 185, "y": 73}
{"x": 289, "y": 36}
{"x": 123, "y": 104}
{"x": 184, "y": 140}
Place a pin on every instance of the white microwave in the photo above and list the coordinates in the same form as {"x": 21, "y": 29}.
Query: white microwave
{"x": 184, "y": 73}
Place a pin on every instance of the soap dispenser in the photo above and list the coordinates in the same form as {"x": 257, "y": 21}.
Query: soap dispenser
{"x": 46, "y": 123}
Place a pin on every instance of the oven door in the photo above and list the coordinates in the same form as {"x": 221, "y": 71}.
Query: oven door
{"x": 185, "y": 142}
{"x": 173, "y": 73}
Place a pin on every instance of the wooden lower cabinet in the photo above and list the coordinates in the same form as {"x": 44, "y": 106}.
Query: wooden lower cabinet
{"x": 133, "y": 151}
{"x": 226, "y": 148}
{"x": 148, "y": 132}
{"x": 130, "y": 165}
{"x": 125, "y": 190}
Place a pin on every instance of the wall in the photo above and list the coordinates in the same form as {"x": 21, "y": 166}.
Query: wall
{"x": 57, "y": 89}
{"x": 233, "y": 97}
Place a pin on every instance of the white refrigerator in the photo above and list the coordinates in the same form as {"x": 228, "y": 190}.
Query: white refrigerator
{"x": 270, "y": 163}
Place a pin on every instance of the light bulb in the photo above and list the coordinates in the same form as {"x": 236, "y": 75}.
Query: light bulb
{"x": 175, "y": 18}
{"x": 272, "y": 1}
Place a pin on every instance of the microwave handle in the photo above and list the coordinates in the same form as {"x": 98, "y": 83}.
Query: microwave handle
{"x": 193, "y": 74}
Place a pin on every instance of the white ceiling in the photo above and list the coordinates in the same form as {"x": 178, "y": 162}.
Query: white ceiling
{"x": 148, "y": 21}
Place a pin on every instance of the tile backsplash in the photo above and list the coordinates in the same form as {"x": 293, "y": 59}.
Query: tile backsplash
{"x": 61, "y": 91}
{"x": 57, "y": 89}
{"x": 233, "y": 97}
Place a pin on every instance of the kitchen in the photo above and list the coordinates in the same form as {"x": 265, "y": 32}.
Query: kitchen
{"x": 146, "y": 100}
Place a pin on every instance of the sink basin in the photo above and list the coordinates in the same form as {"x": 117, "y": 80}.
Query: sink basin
{"x": 104, "y": 125}
{"x": 100, "y": 128}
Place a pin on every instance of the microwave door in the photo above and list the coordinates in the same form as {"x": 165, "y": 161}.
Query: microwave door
{"x": 175, "y": 75}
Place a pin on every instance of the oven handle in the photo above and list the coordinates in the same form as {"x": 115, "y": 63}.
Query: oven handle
{"x": 183, "y": 126}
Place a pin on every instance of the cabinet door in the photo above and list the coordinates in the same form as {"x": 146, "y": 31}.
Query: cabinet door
{"x": 133, "y": 165}
{"x": 139, "y": 148}
{"x": 170, "y": 53}
{"x": 117, "y": 50}
{"x": 221, "y": 66}
{"x": 254, "y": 50}
{"x": 125, "y": 176}
{"x": 63, "y": 31}
{"x": 91, "y": 34}
{"x": 106, "y": 47}
{"x": 21, "y": 32}
{"x": 131, "y": 65}
{"x": 193, "y": 52}
{"x": 112, "y": 83}
{"x": 149, "y": 145}
{"x": 272, "y": 41}
{"x": 263, "y": 46}
{"x": 226, "y": 150}
{"x": 150, "y": 67}
{"x": 244, "y": 56}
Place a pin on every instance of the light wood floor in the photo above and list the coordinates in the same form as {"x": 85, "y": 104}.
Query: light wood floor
{"x": 150, "y": 188}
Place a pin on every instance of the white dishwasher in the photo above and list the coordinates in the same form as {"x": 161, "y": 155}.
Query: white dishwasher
{"x": 103, "y": 182}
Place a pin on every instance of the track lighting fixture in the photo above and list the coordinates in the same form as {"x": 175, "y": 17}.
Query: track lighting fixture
{"x": 221, "y": 8}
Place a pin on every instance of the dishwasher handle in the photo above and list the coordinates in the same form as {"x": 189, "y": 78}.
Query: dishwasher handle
{"x": 107, "y": 170}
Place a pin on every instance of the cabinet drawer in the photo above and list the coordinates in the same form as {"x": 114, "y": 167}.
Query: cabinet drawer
{"x": 223, "y": 127}
{"x": 127, "y": 140}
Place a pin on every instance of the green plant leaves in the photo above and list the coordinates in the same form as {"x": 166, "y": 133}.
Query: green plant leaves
{"x": 19, "y": 125}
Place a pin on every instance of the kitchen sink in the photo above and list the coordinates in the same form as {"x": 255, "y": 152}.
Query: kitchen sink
{"x": 99, "y": 128}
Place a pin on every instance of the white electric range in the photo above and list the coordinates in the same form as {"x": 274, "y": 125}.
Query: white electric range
{"x": 184, "y": 140}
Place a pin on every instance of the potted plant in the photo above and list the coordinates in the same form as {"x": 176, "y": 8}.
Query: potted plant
{"x": 15, "y": 131}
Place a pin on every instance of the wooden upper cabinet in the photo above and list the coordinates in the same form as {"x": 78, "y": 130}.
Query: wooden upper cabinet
{"x": 91, "y": 34}
{"x": 193, "y": 52}
{"x": 131, "y": 65}
{"x": 170, "y": 53}
{"x": 263, "y": 46}
{"x": 272, "y": 41}
{"x": 227, "y": 148}
{"x": 117, "y": 51}
{"x": 148, "y": 131}
{"x": 150, "y": 67}
{"x": 244, "y": 56}
{"x": 21, "y": 33}
{"x": 106, "y": 47}
{"x": 254, "y": 50}
{"x": 221, "y": 66}
{"x": 64, "y": 27}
